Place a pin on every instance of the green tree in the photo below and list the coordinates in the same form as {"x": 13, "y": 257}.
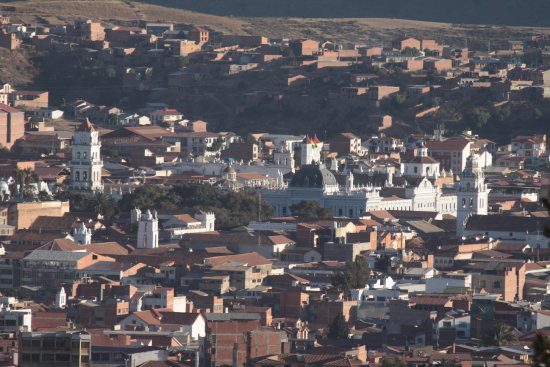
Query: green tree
{"x": 339, "y": 328}
{"x": 182, "y": 61}
{"x": 110, "y": 72}
{"x": 500, "y": 335}
{"x": 480, "y": 116}
{"x": 398, "y": 99}
{"x": 144, "y": 197}
{"x": 216, "y": 145}
{"x": 310, "y": 209}
{"x": 541, "y": 347}
{"x": 446, "y": 363}
{"x": 250, "y": 139}
{"x": 232, "y": 209}
{"x": 392, "y": 362}
{"x": 23, "y": 180}
{"x": 411, "y": 51}
{"x": 355, "y": 276}
{"x": 503, "y": 113}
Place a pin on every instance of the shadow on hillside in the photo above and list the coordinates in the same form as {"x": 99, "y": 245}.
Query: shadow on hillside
{"x": 501, "y": 12}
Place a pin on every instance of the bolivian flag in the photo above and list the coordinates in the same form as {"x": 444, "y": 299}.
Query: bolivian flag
{"x": 314, "y": 141}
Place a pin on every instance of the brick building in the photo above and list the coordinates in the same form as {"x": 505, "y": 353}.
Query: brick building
{"x": 22, "y": 215}
{"x": 225, "y": 341}
{"x": 346, "y": 143}
{"x": 12, "y": 125}
{"x": 199, "y": 35}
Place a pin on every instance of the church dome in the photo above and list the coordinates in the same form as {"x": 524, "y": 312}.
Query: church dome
{"x": 314, "y": 176}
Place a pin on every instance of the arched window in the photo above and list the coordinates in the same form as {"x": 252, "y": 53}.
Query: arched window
{"x": 463, "y": 203}
{"x": 471, "y": 202}
{"x": 77, "y": 176}
{"x": 415, "y": 169}
{"x": 468, "y": 186}
{"x": 85, "y": 155}
{"x": 78, "y": 155}
{"x": 84, "y": 176}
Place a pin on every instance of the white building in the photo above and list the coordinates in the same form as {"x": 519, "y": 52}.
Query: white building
{"x": 82, "y": 235}
{"x": 15, "y": 321}
{"x": 472, "y": 194}
{"x": 438, "y": 285}
{"x": 60, "y": 298}
{"x": 179, "y": 224}
{"x": 458, "y": 320}
{"x": 48, "y": 113}
{"x": 315, "y": 182}
{"x": 311, "y": 152}
{"x": 421, "y": 165}
{"x": 148, "y": 230}
{"x": 86, "y": 163}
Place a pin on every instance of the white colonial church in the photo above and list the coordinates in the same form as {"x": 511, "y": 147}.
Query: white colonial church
{"x": 412, "y": 190}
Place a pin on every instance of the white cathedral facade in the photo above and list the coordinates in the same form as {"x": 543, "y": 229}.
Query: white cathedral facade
{"x": 412, "y": 189}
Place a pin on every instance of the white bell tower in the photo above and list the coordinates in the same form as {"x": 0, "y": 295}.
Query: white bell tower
{"x": 148, "y": 230}
{"x": 61, "y": 298}
{"x": 311, "y": 151}
{"x": 472, "y": 194}
{"x": 86, "y": 160}
{"x": 82, "y": 235}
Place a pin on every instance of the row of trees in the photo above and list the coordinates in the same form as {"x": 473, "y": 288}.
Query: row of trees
{"x": 232, "y": 209}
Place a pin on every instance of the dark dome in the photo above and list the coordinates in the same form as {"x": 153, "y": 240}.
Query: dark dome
{"x": 314, "y": 176}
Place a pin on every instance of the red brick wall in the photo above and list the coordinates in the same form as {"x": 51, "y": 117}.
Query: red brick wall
{"x": 228, "y": 335}
{"x": 292, "y": 303}
{"x": 12, "y": 127}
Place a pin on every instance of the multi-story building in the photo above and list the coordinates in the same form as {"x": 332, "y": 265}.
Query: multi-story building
{"x": 22, "y": 215}
{"x": 452, "y": 153}
{"x": 225, "y": 337}
{"x": 529, "y": 147}
{"x": 199, "y": 35}
{"x": 50, "y": 269}
{"x": 346, "y": 143}
{"x": 15, "y": 321}
{"x": 63, "y": 349}
{"x": 12, "y": 125}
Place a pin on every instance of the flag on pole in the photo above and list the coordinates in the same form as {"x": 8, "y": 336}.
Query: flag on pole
{"x": 314, "y": 141}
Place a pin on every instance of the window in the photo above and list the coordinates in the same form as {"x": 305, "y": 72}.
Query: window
{"x": 463, "y": 203}
{"x": 340, "y": 211}
{"x": 77, "y": 176}
{"x": 62, "y": 357}
{"x": 496, "y": 284}
{"x": 471, "y": 202}
{"x": 415, "y": 169}
{"x": 446, "y": 324}
{"x": 78, "y": 155}
{"x": 351, "y": 213}
{"x": 482, "y": 284}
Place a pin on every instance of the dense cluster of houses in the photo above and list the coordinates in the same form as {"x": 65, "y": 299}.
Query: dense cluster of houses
{"x": 451, "y": 227}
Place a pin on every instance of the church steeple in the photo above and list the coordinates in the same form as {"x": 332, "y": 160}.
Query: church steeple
{"x": 472, "y": 193}
{"x": 86, "y": 160}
